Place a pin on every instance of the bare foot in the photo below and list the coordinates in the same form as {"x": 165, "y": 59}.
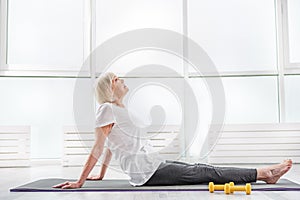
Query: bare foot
{"x": 272, "y": 173}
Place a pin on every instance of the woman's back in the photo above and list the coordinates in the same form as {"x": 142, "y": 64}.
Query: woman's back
{"x": 128, "y": 143}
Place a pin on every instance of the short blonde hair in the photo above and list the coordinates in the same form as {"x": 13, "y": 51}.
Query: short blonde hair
{"x": 103, "y": 88}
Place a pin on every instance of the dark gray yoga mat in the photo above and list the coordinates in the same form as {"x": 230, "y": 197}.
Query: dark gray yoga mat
{"x": 45, "y": 185}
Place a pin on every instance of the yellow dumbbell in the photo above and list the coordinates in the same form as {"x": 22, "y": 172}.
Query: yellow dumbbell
{"x": 212, "y": 187}
{"x": 230, "y": 189}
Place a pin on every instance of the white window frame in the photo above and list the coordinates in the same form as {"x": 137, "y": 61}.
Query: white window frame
{"x": 283, "y": 65}
{"x": 280, "y": 43}
{"x": 89, "y": 45}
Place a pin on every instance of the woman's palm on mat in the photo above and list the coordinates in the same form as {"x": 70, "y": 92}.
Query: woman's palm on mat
{"x": 68, "y": 185}
{"x": 94, "y": 178}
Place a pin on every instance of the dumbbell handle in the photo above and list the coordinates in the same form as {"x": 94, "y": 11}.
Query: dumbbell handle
{"x": 238, "y": 188}
{"x": 219, "y": 187}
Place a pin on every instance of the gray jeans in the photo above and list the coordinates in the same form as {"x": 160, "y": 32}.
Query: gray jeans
{"x": 180, "y": 173}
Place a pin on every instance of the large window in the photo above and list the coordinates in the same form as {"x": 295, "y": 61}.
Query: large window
{"x": 237, "y": 40}
{"x": 117, "y": 16}
{"x": 239, "y": 36}
{"x": 45, "y": 35}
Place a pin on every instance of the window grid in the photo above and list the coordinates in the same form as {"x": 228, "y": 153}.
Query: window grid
{"x": 283, "y": 66}
{"x": 280, "y": 58}
{"x": 281, "y": 12}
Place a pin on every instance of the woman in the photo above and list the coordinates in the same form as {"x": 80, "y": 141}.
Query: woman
{"x": 136, "y": 158}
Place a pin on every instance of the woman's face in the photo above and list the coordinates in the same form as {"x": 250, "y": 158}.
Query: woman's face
{"x": 119, "y": 87}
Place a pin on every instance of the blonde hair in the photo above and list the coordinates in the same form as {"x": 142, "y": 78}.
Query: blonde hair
{"x": 103, "y": 88}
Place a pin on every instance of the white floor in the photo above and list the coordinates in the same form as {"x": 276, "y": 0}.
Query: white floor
{"x": 11, "y": 177}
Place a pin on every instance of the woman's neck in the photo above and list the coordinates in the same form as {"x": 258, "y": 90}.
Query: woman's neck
{"x": 119, "y": 103}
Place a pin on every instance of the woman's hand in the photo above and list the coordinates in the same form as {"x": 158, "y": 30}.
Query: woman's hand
{"x": 95, "y": 178}
{"x": 68, "y": 185}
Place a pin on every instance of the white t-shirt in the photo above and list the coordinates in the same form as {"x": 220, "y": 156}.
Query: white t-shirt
{"x": 128, "y": 144}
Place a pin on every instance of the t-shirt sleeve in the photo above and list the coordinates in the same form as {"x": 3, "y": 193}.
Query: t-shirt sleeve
{"x": 104, "y": 116}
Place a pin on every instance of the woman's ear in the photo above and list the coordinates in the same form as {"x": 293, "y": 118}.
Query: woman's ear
{"x": 114, "y": 80}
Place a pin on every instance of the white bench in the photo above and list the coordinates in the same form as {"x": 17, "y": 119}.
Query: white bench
{"x": 14, "y": 146}
{"x": 77, "y": 145}
{"x": 257, "y": 143}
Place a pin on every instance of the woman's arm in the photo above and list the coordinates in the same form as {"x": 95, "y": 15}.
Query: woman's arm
{"x": 104, "y": 166}
{"x": 101, "y": 134}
